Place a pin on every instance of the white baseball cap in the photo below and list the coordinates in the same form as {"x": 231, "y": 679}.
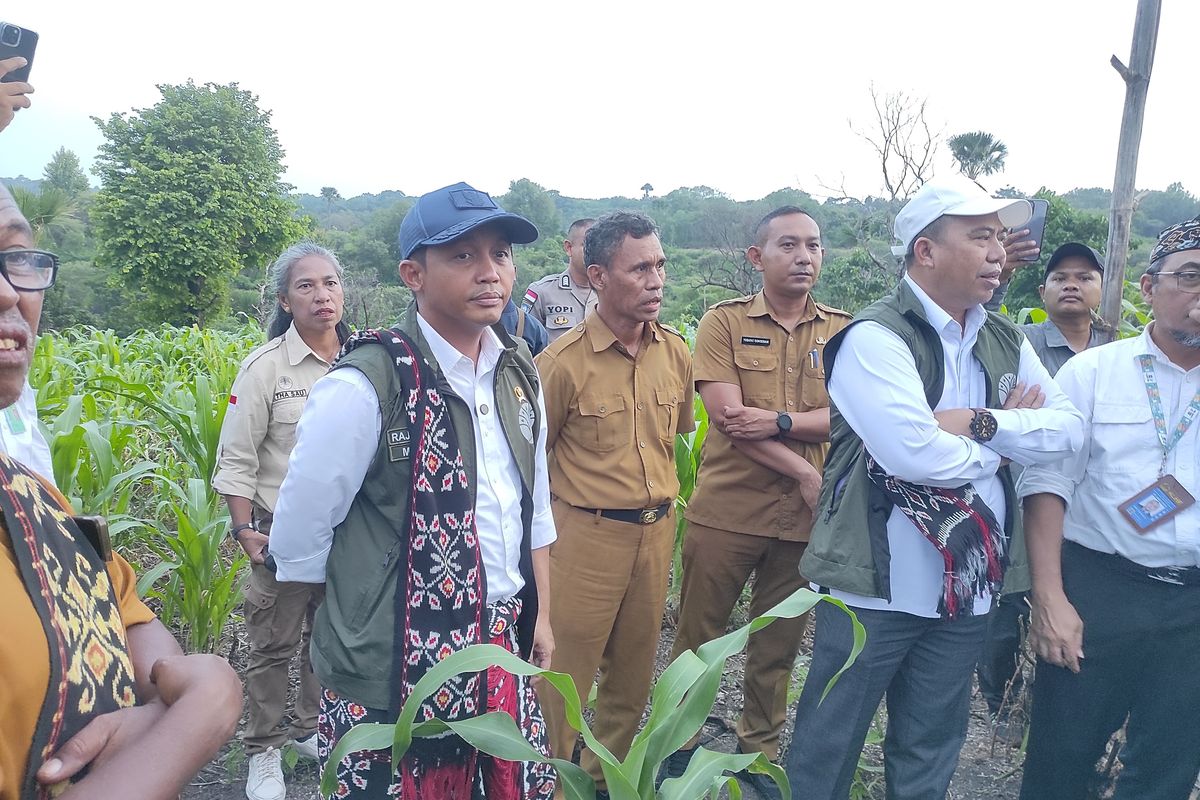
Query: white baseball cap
{"x": 956, "y": 196}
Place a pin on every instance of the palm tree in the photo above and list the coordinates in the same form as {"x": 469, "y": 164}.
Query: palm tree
{"x": 50, "y": 213}
{"x": 978, "y": 153}
{"x": 330, "y": 196}
{"x": 646, "y": 190}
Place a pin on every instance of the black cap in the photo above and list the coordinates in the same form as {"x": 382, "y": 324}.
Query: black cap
{"x": 1073, "y": 249}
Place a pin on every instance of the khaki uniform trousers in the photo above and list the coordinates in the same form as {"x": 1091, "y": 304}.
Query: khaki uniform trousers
{"x": 716, "y": 566}
{"x": 609, "y": 586}
{"x": 279, "y": 618}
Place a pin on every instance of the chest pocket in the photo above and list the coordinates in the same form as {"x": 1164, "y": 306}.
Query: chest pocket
{"x": 757, "y": 370}
{"x": 1123, "y": 440}
{"x": 284, "y": 416}
{"x": 606, "y": 423}
{"x": 813, "y": 393}
{"x": 668, "y": 413}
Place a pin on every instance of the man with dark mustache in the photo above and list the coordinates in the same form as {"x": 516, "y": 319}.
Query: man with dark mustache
{"x": 618, "y": 389}
{"x": 758, "y": 370}
{"x": 417, "y": 493}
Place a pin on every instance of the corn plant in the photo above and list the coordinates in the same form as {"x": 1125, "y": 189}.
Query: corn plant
{"x": 688, "y": 447}
{"x": 198, "y": 586}
{"x": 681, "y": 700}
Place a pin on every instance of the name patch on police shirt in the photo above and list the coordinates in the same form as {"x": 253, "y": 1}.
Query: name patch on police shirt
{"x": 291, "y": 393}
{"x": 399, "y": 442}
{"x": 757, "y": 341}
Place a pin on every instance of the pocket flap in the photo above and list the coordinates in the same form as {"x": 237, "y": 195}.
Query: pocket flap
{"x": 756, "y": 362}
{"x": 1117, "y": 413}
{"x": 288, "y": 411}
{"x": 668, "y": 397}
{"x": 601, "y": 405}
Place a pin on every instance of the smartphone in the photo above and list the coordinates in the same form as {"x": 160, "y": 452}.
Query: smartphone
{"x": 17, "y": 41}
{"x": 1036, "y": 226}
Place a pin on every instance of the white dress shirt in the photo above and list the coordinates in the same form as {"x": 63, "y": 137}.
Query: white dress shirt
{"x": 877, "y": 389}
{"x": 338, "y": 435}
{"x": 1121, "y": 454}
{"x": 20, "y": 437}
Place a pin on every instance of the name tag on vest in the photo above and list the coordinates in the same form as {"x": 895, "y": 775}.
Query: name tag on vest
{"x": 399, "y": 442}
{"x": 757, "y": 341}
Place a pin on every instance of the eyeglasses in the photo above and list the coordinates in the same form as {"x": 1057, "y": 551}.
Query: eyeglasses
{"x": 1187, "y": 280}
{"x": 29, "y": 270}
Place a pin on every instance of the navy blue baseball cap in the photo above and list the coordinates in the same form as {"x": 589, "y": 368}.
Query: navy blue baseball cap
{"x": 1075, "y": 250}
{"x": 445, "y": 214}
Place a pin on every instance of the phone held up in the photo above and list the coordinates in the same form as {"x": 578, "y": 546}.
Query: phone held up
{"x": 17, "y": 41}
{"x": 1036, "y": 225}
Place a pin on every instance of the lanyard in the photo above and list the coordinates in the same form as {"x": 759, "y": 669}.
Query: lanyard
{"x": 1160, "y": 420}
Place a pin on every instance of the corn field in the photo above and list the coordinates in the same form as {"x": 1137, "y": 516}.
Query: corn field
{"x": 133, "y": 425}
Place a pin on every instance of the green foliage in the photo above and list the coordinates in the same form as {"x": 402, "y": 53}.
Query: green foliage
{"x": 681, "y": 700}
{"x": 854, "y": 281}
{"x": 191, "y": 196}
{"x": 50, "y": 213}
{"x": 533, "y": 202}
{"x": 65, "y": 174}
{"x": 977, "y": 153}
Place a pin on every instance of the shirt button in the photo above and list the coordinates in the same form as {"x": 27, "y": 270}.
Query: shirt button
{"x": 791, "y": 338}
{"x": 602, "y": 409}
{"x": 641, "y": 444}
{"x": 756, "y": 362}
{"x": 639, "y": 406}
{"x": 790, "y": 369}
{"x": 483, "y": 409}
{"x": 650, "y": 484}
{"x": 791, "y": 402}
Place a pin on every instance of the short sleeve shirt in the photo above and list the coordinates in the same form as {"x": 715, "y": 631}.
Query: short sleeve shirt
{"x": 1052, "y": 347}
{"x": 612, "y": 417}
{"x": 259, "y": 431}
{"x": 740, "y": 342}
{"x": 559, "y": 303}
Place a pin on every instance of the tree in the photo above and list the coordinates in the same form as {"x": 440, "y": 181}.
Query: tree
{"x": 903, "y": 143}
{"x": 646, "y": 190}
{"x": 64, "y": 173}
{"x": 533, "y": 202}
{"x": 978, "y": 153}
{"x": 50, "y": 213}
{"x": 330, "y": 196}
{"x": 191, "y": 195}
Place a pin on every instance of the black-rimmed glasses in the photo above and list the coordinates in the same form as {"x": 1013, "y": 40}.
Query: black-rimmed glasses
{"x": 29, "y": 270}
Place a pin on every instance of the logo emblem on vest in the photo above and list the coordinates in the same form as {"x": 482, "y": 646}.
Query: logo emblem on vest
{"x": 525, "y": 416}
{"x": 399, "y": 442}
{"x": 1005, "y": 385}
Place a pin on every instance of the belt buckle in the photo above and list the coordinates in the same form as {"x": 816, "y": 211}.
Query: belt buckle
{"x": 649, "y": 516}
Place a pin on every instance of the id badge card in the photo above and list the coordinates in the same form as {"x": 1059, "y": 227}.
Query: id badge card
{"x": 1156, "y": 504}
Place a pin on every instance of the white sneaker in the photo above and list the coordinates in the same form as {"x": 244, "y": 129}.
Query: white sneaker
{"x": 307, "y": 748}
{"x": 265, "y": 778}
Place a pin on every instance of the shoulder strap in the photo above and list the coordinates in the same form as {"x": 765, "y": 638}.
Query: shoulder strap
{"x": 520, "y": 331}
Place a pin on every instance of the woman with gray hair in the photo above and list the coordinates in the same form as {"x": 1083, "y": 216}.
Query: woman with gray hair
{"x": 305, "y": 334}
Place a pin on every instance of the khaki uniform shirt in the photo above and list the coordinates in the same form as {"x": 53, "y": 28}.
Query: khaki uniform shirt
{"x": 559, "y": 303}
{"x": 260, "y": 424}
{"x": 612, "y": 418}
{"x": 740, "y": 342}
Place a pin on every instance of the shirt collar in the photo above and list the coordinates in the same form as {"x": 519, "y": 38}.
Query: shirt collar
{"x": 450, "y": 359}
{"x": 297, "y": 348}
{"x": 759, "y": 307}
{"x": 601, "y": 336}
{"x": 940, "y": 319}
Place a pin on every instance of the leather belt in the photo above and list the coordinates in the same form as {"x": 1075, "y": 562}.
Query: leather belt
{"x": 636, "y": 516}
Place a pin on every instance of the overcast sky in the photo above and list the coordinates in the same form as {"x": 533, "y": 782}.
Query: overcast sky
{"x": 596, "y": 99}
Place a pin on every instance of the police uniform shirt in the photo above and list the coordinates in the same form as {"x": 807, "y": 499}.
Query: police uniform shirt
{"x": 559, "y": 303}
{"x": 740, "y": 342}
{"x": 259, "y": 431}
{"x": 612, "y": 417}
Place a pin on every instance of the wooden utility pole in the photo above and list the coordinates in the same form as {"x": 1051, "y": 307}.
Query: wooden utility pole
{"x": 1137, "y": 86}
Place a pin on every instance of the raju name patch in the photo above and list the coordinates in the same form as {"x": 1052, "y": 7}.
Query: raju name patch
{"x": 399, "y": 442}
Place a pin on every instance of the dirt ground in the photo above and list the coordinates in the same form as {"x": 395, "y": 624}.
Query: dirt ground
{"x": 987, "y": 769}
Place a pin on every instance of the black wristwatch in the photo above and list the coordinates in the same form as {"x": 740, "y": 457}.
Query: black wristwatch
{"x": 983, "y": 425}
{"x": 784, "y": 422}
{"x": 245, "y": 526}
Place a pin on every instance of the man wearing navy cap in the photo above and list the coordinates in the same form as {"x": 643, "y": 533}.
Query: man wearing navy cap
{"x": 418, "y": 493}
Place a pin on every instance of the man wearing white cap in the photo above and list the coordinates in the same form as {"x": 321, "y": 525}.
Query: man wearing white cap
{"x": 917, "y": 527}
